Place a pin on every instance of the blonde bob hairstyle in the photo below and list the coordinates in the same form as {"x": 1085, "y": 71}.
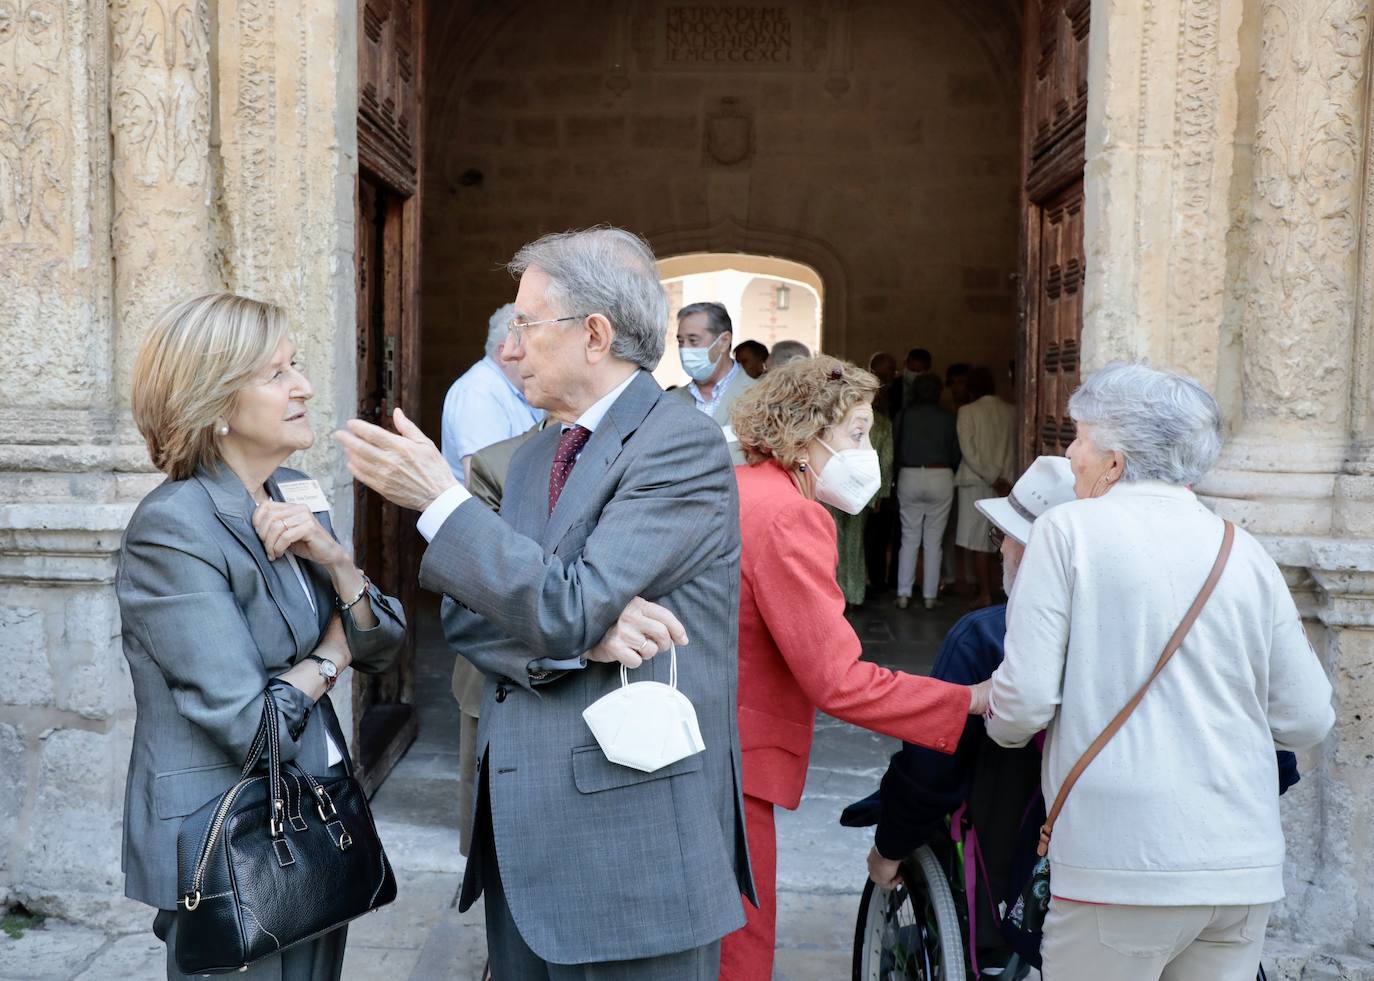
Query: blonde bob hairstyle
{"x": 792, "y": 405}
{"x": 191, "y": 365}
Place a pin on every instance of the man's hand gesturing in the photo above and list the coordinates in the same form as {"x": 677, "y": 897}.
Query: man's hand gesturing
{"x": 641, "y": 631}
{"x": 405, "y": 467}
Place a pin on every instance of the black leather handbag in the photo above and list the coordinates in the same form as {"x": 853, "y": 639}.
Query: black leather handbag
{"x": 279, "y": 858}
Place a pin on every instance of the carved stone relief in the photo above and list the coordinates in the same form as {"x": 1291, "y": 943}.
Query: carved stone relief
{"x": 162, "y": 92}
{"x": 729, "y": 134}
{"x": 160, "y": 131}
{"x": 34, "y": 112}
{"x": 1197, "y": 260}
{"x": 1303, "y": 229}
{"x": 53, "y": 234}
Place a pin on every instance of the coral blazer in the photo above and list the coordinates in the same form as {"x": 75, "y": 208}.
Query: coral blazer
{"x": 798, "y": 653}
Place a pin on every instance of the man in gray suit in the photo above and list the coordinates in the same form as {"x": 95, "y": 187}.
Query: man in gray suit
{"x": 704, "y": 332}
{"x": 591, "y": 870}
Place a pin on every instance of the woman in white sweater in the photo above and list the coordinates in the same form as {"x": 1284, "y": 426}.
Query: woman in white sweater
{"x": 1169, "y": 852}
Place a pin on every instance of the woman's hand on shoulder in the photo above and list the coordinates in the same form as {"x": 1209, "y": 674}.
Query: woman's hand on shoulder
{"x": 294, "y": 528}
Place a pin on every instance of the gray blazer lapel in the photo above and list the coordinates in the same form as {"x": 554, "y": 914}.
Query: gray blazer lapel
{"x": 601, "y": 451}
{"x": 299, "y": 611}
{"x": 525, "y": 498}
{"x": 231, "y": 501}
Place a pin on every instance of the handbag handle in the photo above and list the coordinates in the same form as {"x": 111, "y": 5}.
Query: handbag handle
{"x": 268, "y": 737}
{"x": 1113, "y": 727}
{"x": 672, "y": 670}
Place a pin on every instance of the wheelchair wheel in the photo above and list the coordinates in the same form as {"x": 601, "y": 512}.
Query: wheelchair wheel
{"x": 910, "y": 933}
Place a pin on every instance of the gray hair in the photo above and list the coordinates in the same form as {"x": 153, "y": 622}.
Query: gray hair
{"x": 1166, "y": 425}
{"x": 608, "y": 271}
{"x": 498, "y": 327}
{"x": 785, "y": 351}
{"x": 717, "y": 317}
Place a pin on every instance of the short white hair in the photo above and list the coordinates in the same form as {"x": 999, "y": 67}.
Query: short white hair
{"x": 1166, "y": 425}
{"x": 498, "y": 327}
{"x": 608, "y": 271}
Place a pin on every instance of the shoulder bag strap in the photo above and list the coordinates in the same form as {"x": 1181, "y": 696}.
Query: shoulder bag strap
{"x": 1113, "y": 727}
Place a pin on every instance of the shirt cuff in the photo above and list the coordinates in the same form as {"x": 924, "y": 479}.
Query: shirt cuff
{"x": 437, "y": 513}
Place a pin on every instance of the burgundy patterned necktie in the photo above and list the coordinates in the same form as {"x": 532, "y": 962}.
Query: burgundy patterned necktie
{"x": 569, "y": 445}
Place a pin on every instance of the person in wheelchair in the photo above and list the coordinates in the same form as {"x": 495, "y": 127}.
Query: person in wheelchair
{"x": 981, "y": 807}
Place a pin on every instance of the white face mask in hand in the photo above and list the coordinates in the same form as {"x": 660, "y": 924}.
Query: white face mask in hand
{"x": 850, "y": 478}
{"x": 646, "y": 725}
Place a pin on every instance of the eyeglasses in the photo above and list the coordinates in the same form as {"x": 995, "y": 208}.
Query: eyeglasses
{"x": 996, "y": 537}
{"x": 516, "y": 329}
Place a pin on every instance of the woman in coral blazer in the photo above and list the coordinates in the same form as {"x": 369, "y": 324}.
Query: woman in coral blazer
{"x": 804, "y": 428}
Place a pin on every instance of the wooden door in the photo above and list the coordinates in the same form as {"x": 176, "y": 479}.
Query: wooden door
{"x": 388, "y": 265}
{"x": 1054, "y": 114}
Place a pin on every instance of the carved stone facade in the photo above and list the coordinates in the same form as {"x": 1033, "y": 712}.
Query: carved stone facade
{"x": 1228, "y": 184}
{"x": 135, "y": 168}
{"x": 153, "y": 147}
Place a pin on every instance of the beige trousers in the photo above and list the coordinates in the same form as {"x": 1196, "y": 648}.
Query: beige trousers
{"x": 1087, "y": 942}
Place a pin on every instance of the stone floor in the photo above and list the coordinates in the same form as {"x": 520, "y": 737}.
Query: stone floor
{"x": 422, "y": 936}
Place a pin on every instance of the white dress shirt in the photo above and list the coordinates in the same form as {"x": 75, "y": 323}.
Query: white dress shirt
{"x": 334, "y": 756}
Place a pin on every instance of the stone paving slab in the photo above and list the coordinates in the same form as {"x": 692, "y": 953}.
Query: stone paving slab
{"x": 55, "y": 951}
{"x": 135, "y": 957}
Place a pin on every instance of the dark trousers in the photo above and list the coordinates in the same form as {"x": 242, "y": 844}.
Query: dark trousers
{"x": 880, "y": 532}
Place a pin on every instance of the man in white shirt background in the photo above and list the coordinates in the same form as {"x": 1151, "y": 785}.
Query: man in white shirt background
{"x": 487, "y": 404}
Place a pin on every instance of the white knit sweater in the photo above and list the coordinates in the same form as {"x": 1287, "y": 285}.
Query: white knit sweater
{"x": 1181, "y": 808}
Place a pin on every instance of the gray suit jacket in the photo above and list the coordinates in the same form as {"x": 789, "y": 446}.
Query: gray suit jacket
{"x": 740, "y": 384}
{"x": 599, "y": 861}
{"x": 486, "y": 477}
{"x": 208, "y": 623}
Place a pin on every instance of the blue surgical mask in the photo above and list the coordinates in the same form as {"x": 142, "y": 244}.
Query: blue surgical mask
{"x": 697, "y": 361}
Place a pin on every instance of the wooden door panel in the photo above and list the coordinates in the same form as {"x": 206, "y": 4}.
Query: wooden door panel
{"x": 1055, "y": 109}
{"x": 1060, "y": 317}
{"x": 388, "y": 258}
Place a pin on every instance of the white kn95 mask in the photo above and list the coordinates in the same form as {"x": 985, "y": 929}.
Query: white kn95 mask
{"x": 645, "y": 725}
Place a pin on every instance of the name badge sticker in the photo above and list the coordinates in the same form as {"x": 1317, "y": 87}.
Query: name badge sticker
{"x": 305, "y": 492}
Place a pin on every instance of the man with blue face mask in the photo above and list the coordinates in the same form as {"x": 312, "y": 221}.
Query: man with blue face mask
{"x": 704, "y": 336}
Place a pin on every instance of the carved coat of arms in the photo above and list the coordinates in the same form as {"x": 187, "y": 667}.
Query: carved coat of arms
{"x": 729, "y": 134}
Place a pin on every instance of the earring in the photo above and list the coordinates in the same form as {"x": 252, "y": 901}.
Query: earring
{"x": 223, "y": 430}
{"x": 801, "y": 467}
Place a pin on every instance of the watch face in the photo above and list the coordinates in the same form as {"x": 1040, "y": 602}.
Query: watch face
{"x": 329, "y": 669}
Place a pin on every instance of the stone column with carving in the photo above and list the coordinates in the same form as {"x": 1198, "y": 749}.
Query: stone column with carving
{"x": 162, "y": 169}
{"x": 1278, "y": 471}
{"x": 100, "y": 105}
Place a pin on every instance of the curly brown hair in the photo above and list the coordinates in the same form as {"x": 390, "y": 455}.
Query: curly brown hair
{"x": 792, "y": 405}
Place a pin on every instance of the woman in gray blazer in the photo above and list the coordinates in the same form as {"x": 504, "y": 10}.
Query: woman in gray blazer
{"x": 231, "y": 583}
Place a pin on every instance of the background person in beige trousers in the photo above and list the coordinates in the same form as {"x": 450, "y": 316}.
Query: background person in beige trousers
{"x": 1169, "y": 852}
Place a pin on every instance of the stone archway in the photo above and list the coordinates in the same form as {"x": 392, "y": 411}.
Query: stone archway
{"x": 746, "y": 284}
{"x": 731, "y": 237}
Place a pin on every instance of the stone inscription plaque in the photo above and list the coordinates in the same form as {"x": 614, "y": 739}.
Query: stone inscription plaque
{"x": 738, "y": 36}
